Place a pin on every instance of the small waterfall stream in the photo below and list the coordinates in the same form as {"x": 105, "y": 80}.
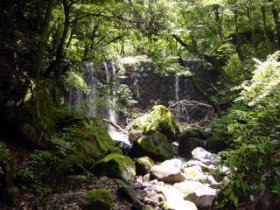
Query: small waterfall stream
{"x": 177, "y": 88}
{"x": 95, "y": 103}
{"x": 112, "y": 101}
{"x": 91, "y": 80}
{"x": 177, "y": 97}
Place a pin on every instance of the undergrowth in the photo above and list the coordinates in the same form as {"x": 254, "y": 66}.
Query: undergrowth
{"x": 252, "y": 130}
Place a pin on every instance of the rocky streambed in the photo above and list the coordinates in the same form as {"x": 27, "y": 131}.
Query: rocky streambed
{"x": 175, "y": 184}
{"x": 155, "y": 166}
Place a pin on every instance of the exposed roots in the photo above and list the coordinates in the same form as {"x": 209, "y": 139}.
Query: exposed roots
{"x": 193, "y": 113}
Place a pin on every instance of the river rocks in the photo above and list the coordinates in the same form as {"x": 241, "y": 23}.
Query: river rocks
{"x": 116, "y": 165}
{"x": 184, "y": 185}
{"x": 159, "y": 120}
{"x": 169, "y": 171}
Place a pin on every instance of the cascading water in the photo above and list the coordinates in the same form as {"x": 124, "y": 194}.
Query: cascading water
{"x": 177, "y": 97}
{"x": 177, "y": 88}
{"x": 91, "y": 80}
{"x": 81, "y": 100}
{"x": 110, "y": 79}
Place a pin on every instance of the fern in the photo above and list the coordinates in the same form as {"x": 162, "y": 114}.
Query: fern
{"x": 252, "y": 127}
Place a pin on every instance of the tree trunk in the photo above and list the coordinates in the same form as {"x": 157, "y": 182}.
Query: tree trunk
{"x": 44, "y": 38}
{"x": 238, "y": 46}
{"x": 275, "y": 15}
{"x": 55, "y": 65}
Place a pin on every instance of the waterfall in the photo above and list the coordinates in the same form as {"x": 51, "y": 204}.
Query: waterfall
{"x": 177, "y": 97}
{"x": 91, "y": 80}
{"x": 177, "y": 88}
{"x": 84, "y": 102}
{"x": 110, "y": 79}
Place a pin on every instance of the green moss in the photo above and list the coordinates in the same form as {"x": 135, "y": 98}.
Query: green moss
{"x": 116, "y": 150}
{"x": 100, "y": 199}
{"x": 81, "y": 144}
{"x": 94, "y": 131}
{"x": 156, "y": 146}
{"x": 116, "y": 166}
{"x": 160, "y": 119}
{"x": 37, "y": 117}
{"x": 143, "y": 165}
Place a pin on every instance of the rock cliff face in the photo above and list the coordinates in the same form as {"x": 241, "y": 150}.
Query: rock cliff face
{"x": 149, "y": 87}
{"x": 138, "y": 86}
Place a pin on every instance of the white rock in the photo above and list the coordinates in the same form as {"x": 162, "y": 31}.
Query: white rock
{"x": 212, "y": 181}
{"x": 194, "y": 173}
{"x": 202, "y": 155}
{"x": 220, "y": 169}
{"x": 174, "y": 199}
{"x": 198, "y": 193}
{"x": 191, "y": 163}
{"x": 179, "y": 205}
{"x": 216, "y": 159}
{"x": 169, "y": 171}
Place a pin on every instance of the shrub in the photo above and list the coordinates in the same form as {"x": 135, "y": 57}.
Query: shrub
{"x": 252, "y": 129}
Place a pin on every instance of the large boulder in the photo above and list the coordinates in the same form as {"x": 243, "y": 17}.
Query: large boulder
{"x": 116, "y": 165}
{"x": 32, "y": 118}
{"x": 82, "y": 143}
{"x": 160, "y": 119}
{"x": 191, "y": 139}
{"x": 156, "y": 146}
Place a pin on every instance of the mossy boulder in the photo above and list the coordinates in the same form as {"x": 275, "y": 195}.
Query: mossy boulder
{"x": 160, "y": 119}
{"x": 143, "y": 165}
{"x": 116, "y": 165}
{"x": 32, "y": 117}
{"x": 99, "y": 199}
{"x": 216, "y": 144}
{"x": 8, "y": 191}
{"x": 191, "y": 139}
{"x": 83, "y": 143}
{"x": 156, "y": 146}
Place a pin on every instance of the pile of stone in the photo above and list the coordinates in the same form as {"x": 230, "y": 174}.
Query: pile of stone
{"x": 177, "y": 184}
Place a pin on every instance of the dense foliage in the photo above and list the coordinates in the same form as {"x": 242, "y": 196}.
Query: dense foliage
{"x": 252, "y": 129}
